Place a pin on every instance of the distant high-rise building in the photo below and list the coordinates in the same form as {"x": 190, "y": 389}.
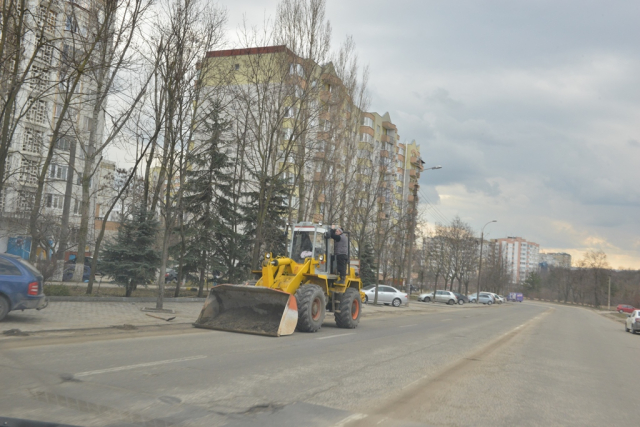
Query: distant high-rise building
{"x": 556, "y": 259}
{"x": 520, "y": 255}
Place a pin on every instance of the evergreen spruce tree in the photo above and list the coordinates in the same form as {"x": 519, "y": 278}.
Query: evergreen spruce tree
{"x": 368, "y": 269}
{"x": 131, "y": 259}
{"x": 213, "y": 219}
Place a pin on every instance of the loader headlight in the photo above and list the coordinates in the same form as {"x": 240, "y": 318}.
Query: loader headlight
{"x": 321, "y": 258}
{"x": 267, "y": 256}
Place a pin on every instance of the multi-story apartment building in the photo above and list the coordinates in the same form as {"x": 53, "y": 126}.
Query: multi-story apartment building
{"x": 521, "y": 256}
{"x": 331, "y": 153}
{"x": 63, "y": 26}
{"x": 555, "y": 259}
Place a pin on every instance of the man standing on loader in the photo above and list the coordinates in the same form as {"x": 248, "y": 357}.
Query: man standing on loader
{"x": 340, "y": 249}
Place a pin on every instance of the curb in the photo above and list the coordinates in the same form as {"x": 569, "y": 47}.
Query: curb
{"x": 122, "y": 299}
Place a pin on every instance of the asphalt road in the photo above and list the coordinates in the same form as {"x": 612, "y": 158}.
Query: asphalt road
{"x": 515, "y": 364}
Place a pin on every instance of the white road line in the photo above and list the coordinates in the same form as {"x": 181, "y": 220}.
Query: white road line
{"x": 345, "y": 421}
{"x": 335, "y": 336}
{"x": 141, "y": 365}
{"x": 406, "y": 326}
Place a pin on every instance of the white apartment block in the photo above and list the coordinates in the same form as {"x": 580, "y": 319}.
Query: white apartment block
{"x": 63, "y": 24}
{"x": 521, "y": 256}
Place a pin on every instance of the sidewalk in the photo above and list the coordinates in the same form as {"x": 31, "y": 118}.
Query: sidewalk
{"x": 72, "y": 315}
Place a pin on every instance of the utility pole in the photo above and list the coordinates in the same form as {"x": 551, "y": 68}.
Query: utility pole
{"x": 609, "y": 300}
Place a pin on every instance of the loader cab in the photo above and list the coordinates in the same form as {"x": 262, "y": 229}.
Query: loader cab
{"x": 308, "y": 241}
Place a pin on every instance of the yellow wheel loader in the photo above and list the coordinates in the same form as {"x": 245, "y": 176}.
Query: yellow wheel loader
{"x": 293, "y": 292}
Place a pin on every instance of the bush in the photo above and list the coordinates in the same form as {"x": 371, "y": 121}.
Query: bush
{"x": 57, "y": 290}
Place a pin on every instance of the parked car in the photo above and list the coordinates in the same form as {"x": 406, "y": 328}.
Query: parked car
{"x": 441, "y": 296}
{"x": 425, "y": 297}
{"x": 386, "y": 295}
{"x": 461, "y": 298}
{"x": 499, "y": 298}
{"x": 170, "y": 275}
{"x": 632, "y": 323}
{"x": 625, "y": 308}
{"x": 21, "y": 286}
{"x": 485, "y": 298}
{"x": 67, "y": 274}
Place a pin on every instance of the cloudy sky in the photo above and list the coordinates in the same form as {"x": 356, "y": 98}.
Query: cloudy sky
{"x": 531, "y": 107}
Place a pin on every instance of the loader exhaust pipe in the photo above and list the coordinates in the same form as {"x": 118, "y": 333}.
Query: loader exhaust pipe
{"x": 249, "y": 309}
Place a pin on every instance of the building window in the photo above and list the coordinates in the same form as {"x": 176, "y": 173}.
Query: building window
{"x": 37, "y": 112}
{"x": 39, "y": 78}
{"x": 58, "y": 172}
{"x": 25, "y": 201}
{"x": 236, "y": 67}
{"x": 47, "y": 19}
{"x": 296, "y": 69}
{"x": 86, "y": 123}
{"x": 63, "y": 144}
{"x": 32, "y": 140}
{"x": 54, "y": 201}
{"x": 289, "y": 112}
{"x": 71, "y": 24}
{"x": 367, "y": 121}
{"x": 365, "y": 137}
{"x": 76, "y": 206}
{"x": 28, "y": 171}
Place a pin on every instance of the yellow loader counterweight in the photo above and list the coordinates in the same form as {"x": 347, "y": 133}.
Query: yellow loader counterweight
{"x": 292, "y": 293}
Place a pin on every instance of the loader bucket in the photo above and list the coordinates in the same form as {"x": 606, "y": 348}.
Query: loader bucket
{"x": 249, "y": 309}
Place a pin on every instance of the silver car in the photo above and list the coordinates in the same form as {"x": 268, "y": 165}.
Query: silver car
{"x": 446, "y": 297}
{"x": 386, "y": 295}
{"x": 485, "y": 298}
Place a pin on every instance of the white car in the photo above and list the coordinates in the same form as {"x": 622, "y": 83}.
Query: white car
{"x": 447, "y": 297}
{"x": 500, "y": 299}
{"x": 386, "y": 295}
{"x": 632, "y": 322}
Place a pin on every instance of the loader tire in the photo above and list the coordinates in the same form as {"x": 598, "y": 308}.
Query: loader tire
{"x": 311, "y": 308}
{"x": 350, "y": 308}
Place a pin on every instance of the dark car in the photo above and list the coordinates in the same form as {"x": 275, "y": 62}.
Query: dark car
{"x": 170, "y": 275}
{"x": 67, "y": 275}
{"x": 20, "y": 286}
{"x": 461, "y": 298}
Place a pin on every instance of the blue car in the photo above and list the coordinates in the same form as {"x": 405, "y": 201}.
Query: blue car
{"x": 20, "y": 286}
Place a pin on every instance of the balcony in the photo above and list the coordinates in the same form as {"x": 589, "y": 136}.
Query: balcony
{"x": 384, "y": 153}
{"x": 411, "y": 198}
{"x": 317, "y": 176}
{"x": 412, "y": 173}
{"x": 385, "y": 138}
{"x": 401, "y": 158}
{"x": 319, "y": 155}
{"x": 321, "y": 198}
{"x": 389, "y": 125}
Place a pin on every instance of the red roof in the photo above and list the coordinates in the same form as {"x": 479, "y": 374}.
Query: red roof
{"x": 247, "y": 51}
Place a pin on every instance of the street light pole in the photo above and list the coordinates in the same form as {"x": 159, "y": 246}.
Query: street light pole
{"x": 480, "y": 266}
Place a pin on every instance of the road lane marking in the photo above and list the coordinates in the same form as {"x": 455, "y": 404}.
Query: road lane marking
{"x": 335, "y": 336}
{"x": 406, "y": 326}
{"x": 350, "y": 418}
{"x": 140, "y": 365}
